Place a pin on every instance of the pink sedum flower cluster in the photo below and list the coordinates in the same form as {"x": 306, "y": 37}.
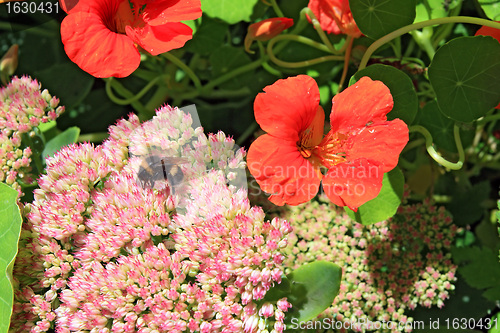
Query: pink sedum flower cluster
{"x": 388, "y": 267}
{"x": 100, "y": 253}
{"x": 23, "y": 106}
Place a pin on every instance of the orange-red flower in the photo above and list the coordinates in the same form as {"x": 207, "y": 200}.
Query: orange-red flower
{"x": 335, "y": 16}
{"x": 266, "y": 29}
{"x": 102, "y": 36}
{"x": 360, "y": 147}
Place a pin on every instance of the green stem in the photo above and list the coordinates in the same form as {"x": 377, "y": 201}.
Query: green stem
{"x": 298, "y": 39}
{"x": 401, "y": 31}
{"x": 240, "y": 70}
{"x": 435, "y": 155}
{"x": 136, "y": 97}
{"x": 276, "y": 8}
{"x": 196, "y": 81}
{"x": 317, "y": 27}
{"x": 487, "y": 119}
{"x": 413, "y": 144}
{"x": 34, "y": 30}
{"x": 423, "y": 39}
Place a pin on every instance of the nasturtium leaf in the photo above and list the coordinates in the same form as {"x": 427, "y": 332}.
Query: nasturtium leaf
{"x": 480, "y": 268}
{"x": 431, "y": 9}
{"x": 65, "y": 138}
{"x": 226, "y": 58}
{"x": 377, "y": 18}
{"x": 440, "y": 127}
{"x": 401, "y": 87}
{"x": 385, "y": 204}
{"x": 66, "y": 81}
{"x": 10, "y": 229}
{"x": 492, "y": 9}
{"x": 209, "y": 36}
{"x": 313, "y": 286}
{"x": 464, "y": 74}
{"x": 230, "y": 11}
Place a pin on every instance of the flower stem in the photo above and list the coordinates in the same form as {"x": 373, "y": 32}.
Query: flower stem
{"x": 136, "y": 97}
{"x": 401, "y": 31}
{"x": 347, "y": 57}
{"x": 276, "y": 8}
{"x": 317, "y": 27}
{"x": 435, "y": 155}
{"x": 196, "y": 81}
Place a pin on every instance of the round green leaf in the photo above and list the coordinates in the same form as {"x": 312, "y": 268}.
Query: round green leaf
{"x": 491, "y": 8}
{"x": 385, "y": 204}
{"x": 10, "y": 229}
{"x": 377, "y": 18}
{"x": 440, "y": 127}
{"x": 230, "y": 11}
{"x": 209, "y": 37}
{"x": 314, "y": 286}
{"x": 401, "y": 87}
{"x": 63, "y": 139}
{"x": 227, "y": 58}
{"x": 464, "y": 74}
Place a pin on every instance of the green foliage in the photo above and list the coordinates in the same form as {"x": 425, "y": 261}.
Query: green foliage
{"x": 385, "y": 204}
{"x": 230, "y": 11}
{"x": 227, "y": 58}
{"x": 466, "y": 203}
{"x": 430, "y": 9}
{"x": 10, "y": 228}
{"x": 491, "y": 8}
{"x": 209, "y": 36}
{"x": 65, "y": 138}
{"x": 462, "y": 73}
{"x": 313, "y": 287}
{"x": 401, "y": 87}
{"x": 376, "y": 18}
{"x": 480, "y": 268}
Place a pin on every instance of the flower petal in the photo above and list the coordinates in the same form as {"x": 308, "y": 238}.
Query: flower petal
{"x": 161, "y": 38}
{"x": 96, "y": 49}
{"x": 159, "y": 12}
{"x": 363, "y": 103}
{"x": 353, "y": 183}
{"x": 322, "y": 10}
{"x": 380, "y": 143}
{"x": 279, "y": 169}
{"x": 287, "y": 107}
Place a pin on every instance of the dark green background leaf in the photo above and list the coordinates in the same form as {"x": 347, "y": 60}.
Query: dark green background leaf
{"x": 10, "y": 228}
{"x": 385, "y": 204}
{"x": 464, "y": 74}
{"x": 314, "y": 286}
{"x": 466, "y": 205}
{"x": 227, "y": 58}
{"x": 377, "y": 18}
{"x": 209, "y": 36}
{"x": 401, "y": 87}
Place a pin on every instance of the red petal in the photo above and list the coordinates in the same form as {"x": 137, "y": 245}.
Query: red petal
{"x": 353, "y": 183}
{"x": 363, "y": 103}
{"x": 161, "y": 38}
{"x": 269, "y": 28}
{"x": 95, "y": 49}
{"x": 380, "y": 143}
{"x": 279, "y": 169}
{"x": 321, "y": 10}
{"x": 287, "y": 107}
{"x": 159, "y": 12}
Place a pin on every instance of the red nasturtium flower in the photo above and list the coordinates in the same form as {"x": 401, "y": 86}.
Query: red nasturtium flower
{"x": 102, "y": 36}
{"x": 335, "y": 16}
{"x": 266, "y": 29}
{"x": 360, "y": 147}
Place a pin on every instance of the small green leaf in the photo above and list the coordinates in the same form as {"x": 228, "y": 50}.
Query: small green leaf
{"x": 440, "y": 127}
{"x": 491, "y": 8}
{"x": 463, "y": 74}
{"x": 230, "y": 11}
{"x": 401, "y": 87}
{"x": 65, "y": 138}
{"x": 10, "y": 229}
{"x": 314, "y": 286}
{"x": 385, "y": 204}
{"x": 431, "y": 9}
{"x": 377, "y": 18}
